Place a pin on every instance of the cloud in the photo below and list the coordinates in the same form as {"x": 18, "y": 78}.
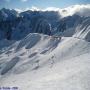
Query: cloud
{"x": 18, "y": 10}
{"x": 52, "y": 9}
{"x": 19, "y": 0}
{"x": 24, "y": 0}
{"x": 33, "y": 8}
{"x": 82, "y": 10}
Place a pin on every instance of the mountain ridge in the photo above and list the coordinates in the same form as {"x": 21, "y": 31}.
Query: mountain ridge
{"x": 31, "y": 22}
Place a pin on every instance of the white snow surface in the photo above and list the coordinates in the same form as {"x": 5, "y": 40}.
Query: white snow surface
{"x": 42, "y": 62}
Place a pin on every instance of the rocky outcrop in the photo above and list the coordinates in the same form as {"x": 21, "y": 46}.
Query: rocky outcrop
{"x": 43, "y": 26}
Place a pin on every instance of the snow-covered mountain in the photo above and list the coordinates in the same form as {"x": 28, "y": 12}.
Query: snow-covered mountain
{"x": 45, "y": 53}
{"x": 16, "y": 25}
{"x": 41, "y": 62}
{"x": 83, "y": 30}
{"x": 28, "y": 22}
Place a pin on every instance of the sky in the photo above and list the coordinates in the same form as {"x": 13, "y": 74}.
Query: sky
{"x": 42, "y": 4}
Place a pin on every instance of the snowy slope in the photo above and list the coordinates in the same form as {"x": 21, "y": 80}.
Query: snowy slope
{"x": 83, "y": 30}
{"x": 41, "y": 62}
{"x": 33, "y": 61}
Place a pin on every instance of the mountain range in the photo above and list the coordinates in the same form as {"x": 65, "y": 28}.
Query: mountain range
{"x": 16, "y": 25}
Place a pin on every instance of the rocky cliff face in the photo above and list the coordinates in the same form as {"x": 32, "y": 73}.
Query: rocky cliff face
{"x": 19, "y": 25}
{"x": 42, "y": 26}
{"x": 14, "y": 25}
{"x": 83, "y": 30}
